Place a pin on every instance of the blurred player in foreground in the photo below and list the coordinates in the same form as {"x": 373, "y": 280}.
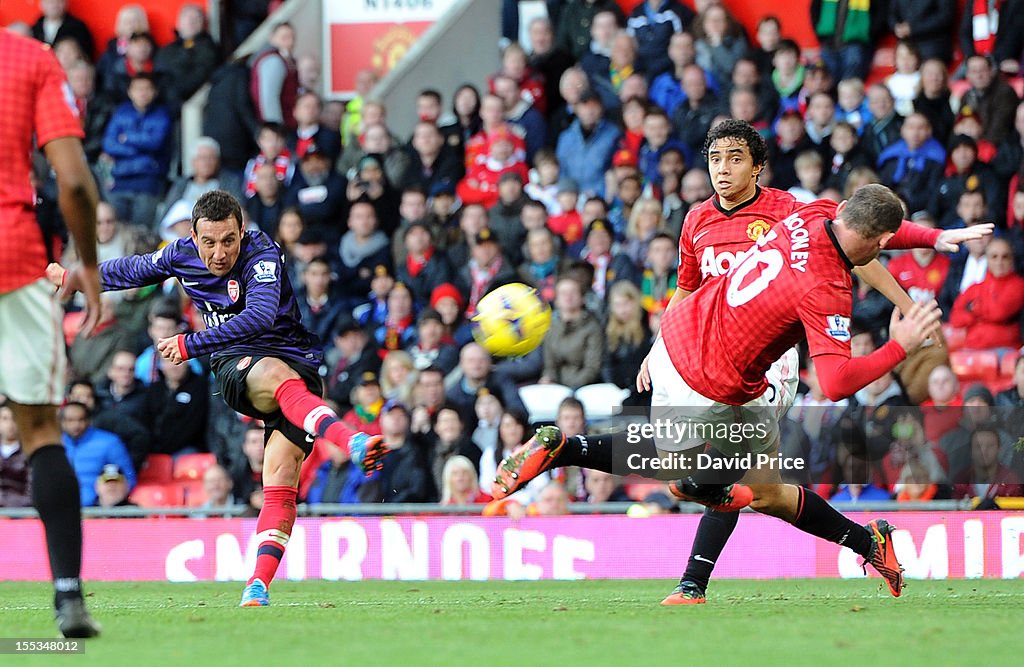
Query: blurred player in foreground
{"x": 708, "y": 367}
{"x": 36, "y": 102}
{"x": 265, "y": 361}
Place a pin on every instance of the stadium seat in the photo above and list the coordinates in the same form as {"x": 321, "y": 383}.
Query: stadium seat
{"x": 601, "y": 401}
{"x": 157, "y": 469}
{"x": 980, "y": 365}
{"x": 1008, "y": 363}
{"x": 195, "y": 494}
{"x": 999, "y": 384}
{"x": 158, "y": 495}
{"x": 192, "y": 467}
{"x": 955, "y": 336}
{"x": 542, "y": 400}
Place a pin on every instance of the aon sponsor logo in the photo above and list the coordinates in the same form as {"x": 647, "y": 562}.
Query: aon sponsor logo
{"x": 718, "y": 264}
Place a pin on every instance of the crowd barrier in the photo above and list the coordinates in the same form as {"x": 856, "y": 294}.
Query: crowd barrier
{"x": 933, "y": 545}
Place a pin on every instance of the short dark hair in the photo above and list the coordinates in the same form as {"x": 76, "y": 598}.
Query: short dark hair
{"x": 430, "y": 92}
{"x": 85, "y": 382}
{"x": 144, "y": 76}
{"x": 984, "y": 429}
{"x": 787, "y": 44}
{"x": 873, "y": 210}
{"x": 165, "y": 309}
{"x": 432, "y": 369}
{"x": 975, "y": 191}
{"x": 276, "y": 128}
{"x": 415, "y": 189}
{"x": 319, "y": 259}
{"x": 216, "y": 205}
{"x": 533, "y": 203}
{"x": 76, "y": 404}
{"x": 740, "y": 131}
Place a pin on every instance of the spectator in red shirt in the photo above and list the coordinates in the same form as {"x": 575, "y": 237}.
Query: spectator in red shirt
{"x": 480, "y": 186}
{"x": 922, "y": 271}
{"x": 568, "y": 223}
{"x": 942, "y": 407}
{"x": 991, "y": 310}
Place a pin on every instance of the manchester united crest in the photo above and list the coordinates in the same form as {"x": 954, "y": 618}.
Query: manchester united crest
{"x": 756, "y": 229}
{"x": 390, "y": 48}
{"x": 233, "y": 290}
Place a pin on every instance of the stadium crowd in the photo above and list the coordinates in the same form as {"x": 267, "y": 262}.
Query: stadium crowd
{"x": 570, "y": 169}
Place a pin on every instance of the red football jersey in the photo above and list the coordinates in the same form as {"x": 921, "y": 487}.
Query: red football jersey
{"x": 794, "y": 282}
{"x": 714, "y": 240}
{"x": 922, "y": 283}
{"x": 35, "y": 102}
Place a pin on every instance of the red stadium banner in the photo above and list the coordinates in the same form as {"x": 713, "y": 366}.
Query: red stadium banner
{"x": 373, "y": 34}
{"x": 931, "y": 545}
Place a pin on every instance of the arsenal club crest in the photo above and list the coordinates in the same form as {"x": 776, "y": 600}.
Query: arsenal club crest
{"x": 233, "y": 290}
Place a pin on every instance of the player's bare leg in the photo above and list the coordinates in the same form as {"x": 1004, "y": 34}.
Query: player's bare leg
{"x": 281, "y": 463}
{"x": 55, "y": 495}
{"x": 272, "y": 385}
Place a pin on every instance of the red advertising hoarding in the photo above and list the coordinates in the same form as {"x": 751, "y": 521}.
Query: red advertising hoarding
{"x": 931, "y": 545}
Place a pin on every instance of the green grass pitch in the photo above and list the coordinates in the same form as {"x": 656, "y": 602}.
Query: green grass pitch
{"x": 491, "y": 624}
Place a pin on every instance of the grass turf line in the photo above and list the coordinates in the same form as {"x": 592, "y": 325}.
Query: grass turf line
{"x": 794, "y": 622}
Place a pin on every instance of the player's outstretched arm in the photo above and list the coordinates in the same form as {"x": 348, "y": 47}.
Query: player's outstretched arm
{"x": 913, "y": 235}
{"x": 115, "y": 274}
{"x": 77, "y": 196}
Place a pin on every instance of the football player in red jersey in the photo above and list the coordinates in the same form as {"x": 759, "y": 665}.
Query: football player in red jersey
{"x": 731, "y": 149}
{"x": 36, "y": 104}
{"x": 716, "y": 235}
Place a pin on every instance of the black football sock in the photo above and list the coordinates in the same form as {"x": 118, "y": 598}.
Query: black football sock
{"x": 609, "y": 452}
{"x": 55, "y": 496}
{"x": 712, "y": 534}
{"x": 817, "y": 517}
{"x": 589, "y": 451}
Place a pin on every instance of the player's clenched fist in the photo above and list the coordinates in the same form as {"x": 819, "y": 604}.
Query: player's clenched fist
{"x": 172, "y": 349}
{"x": 920, "y": 322}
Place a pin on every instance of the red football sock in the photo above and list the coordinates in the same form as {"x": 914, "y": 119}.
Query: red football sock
{"x": 274, "y": 527}
{"x": 308, "y": 412}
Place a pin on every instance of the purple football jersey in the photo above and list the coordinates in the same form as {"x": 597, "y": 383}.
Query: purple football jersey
{"x": 252, "y": 310}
